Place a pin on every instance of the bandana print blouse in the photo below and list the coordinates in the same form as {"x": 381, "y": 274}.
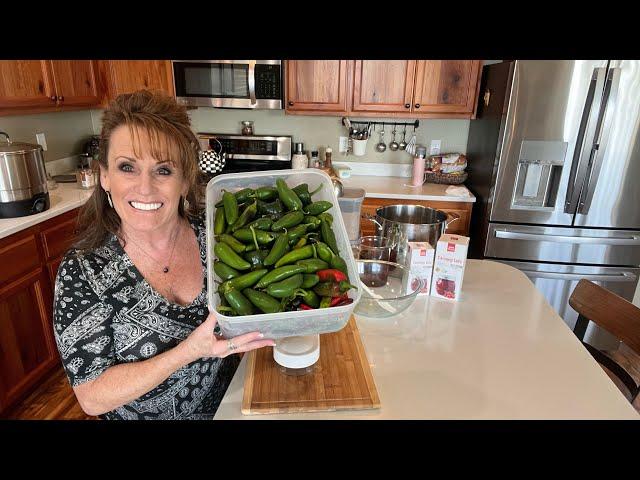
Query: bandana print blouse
{"x": 106, "y": 313}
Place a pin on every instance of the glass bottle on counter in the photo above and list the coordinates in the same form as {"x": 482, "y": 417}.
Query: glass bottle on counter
{"x": 315, "y": 160}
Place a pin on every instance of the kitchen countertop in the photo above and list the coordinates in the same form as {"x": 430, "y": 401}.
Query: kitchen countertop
{"x": 396, "y": 187}
{"x": 64, "y": 198}
{"x": 501, "y": 352}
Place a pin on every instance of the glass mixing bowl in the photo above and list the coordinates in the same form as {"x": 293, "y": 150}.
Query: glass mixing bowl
{"x": 386, "y": 290}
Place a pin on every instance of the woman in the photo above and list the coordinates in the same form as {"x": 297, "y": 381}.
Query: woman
{"x": 130, "y": 308}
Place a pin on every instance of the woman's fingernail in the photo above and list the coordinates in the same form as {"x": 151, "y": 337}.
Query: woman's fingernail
{"x": 261, "y": 335}
{"x": 273, "y": 344}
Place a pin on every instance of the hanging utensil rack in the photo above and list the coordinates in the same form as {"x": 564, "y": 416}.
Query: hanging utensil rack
{"x": 414, "y": 124}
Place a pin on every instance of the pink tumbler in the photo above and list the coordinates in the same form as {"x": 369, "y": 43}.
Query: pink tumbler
{"x": 418, "y": 171}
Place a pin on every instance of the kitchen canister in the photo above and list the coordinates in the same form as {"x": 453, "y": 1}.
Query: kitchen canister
{"x": 359, "y": 147}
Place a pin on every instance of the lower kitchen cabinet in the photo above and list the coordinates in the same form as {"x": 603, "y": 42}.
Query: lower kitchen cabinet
{"x": 460, "y": 226}
{"x": 29, "y": 260}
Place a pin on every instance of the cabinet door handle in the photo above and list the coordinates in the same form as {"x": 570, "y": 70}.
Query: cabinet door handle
{"x": 407, "y": 105}
{"x": 61, "y": 98}
{"x": 291, "y": 104}
{"x": 417, "y": 105}
{"x": 53, "y": 98}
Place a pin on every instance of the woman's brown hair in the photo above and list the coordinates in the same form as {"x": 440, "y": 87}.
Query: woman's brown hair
{"x": 169, "y": 131}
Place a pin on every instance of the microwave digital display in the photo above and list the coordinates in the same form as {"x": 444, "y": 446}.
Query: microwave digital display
{"x": 247, "y": 147}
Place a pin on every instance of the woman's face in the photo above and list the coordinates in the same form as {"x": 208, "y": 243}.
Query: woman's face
{"x": 145, "y": 191}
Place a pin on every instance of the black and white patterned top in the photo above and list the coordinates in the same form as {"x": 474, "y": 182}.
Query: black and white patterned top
{"x": 106, "y": 313}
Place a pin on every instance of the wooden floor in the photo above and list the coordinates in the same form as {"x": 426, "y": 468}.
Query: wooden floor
{"x": 55, "y": 400}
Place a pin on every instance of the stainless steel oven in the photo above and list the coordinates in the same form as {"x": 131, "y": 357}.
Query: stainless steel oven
{"x": 252, "y": 84}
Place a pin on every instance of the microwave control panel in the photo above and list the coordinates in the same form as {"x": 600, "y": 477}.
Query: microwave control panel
{"x": 268, "y": 81}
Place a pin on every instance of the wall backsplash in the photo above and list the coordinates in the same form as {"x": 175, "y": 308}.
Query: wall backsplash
{"x": 319, "y": 132}
{"x": 65, "y": 132}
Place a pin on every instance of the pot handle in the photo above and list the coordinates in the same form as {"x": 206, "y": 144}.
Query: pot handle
{"x": 6, "y": 135}
{"x": 371, "y": 218}
{"x": 453, "y": 216}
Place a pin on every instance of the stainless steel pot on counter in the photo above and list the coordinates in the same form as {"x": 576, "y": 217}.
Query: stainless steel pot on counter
{"x": 23, "y": 179}
{"x": 410, "y": 223}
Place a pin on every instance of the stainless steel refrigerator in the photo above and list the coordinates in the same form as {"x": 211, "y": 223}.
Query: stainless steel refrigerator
{"x": 554, "y": 161}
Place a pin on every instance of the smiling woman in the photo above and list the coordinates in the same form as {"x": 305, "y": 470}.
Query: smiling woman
{"x": 130, "y": 315}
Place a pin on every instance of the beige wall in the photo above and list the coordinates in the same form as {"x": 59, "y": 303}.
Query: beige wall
{"x": 65, "y": 132}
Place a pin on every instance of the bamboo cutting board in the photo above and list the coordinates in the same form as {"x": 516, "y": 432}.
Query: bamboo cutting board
{"x": 341, "y": 379}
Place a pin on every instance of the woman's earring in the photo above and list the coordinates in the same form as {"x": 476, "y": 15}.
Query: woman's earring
{"x": 109, "y": 198}
{"x": 185, "y": 203}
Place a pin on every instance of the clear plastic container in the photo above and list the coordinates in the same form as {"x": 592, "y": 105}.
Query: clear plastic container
{"x": 283, "y": 324}
{"x": 350, "y": 205}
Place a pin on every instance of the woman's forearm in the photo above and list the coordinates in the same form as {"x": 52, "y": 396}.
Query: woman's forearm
{"x": 123, "y": 383}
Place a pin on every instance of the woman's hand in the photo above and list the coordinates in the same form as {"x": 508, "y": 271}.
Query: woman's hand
{"x": 203, "y": 343}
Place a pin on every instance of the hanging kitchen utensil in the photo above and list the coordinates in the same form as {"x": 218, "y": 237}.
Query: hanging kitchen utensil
{"x": 381, "y": 146}
{"x": 411, "y": 146}
{"x": 393, "y": 146}
{"x": 403, "y": 143}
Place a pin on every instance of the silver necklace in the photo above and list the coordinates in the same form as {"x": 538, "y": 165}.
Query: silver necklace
{"x": 166, "y": 268}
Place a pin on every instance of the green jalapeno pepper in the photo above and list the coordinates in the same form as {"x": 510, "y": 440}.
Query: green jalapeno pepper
{"x": 273, "y": 208}
{"x": 330, "y": 289}
{"x": 245, "y": 217}
{"x": 226, "y": 254}
{"x": 285, "y": 288}
{"x": 224, "y": 271}
{"x": 311, "y": 221}
{"x": 238, "y": 302}
{"x": 295, "y": 255}
{"x": 309, "y": 297}
{"x": 338, "y": 263}
{"x": 328, "y": 236}
{"x": 237, "y": 246}
{"x": 279, "y": 274}
{"x": 295, "y": 233}
{"x": 256, "y": 258}
{"x": 312, "y": 265}
{"x": 301, "y": 243}
{"x": 266, "y": 193}
{"x": 288, "y": 197}
{"x": 302, "y": 191}
{"x": 316, "y": 208}
{"x": 243, "y": 281}
{"x": 263, "y": 223}
{"x": 266, "y": 303}
{"x": 324, "y": 252}
{"x": 289, "y": 220}
{"x": 241, "y": 196}
{"x": 245, "y": 235}
{"x": 220, "y": 222}
{"x": 230, "y": 207}
{"x": 280, "y": 247}
{"x": 327, "y": 216}
{"x": 309, "y": 280}
{"x": 325, "y": 302}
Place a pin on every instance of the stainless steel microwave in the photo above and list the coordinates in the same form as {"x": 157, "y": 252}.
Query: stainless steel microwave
{"x": 254, "y": 84}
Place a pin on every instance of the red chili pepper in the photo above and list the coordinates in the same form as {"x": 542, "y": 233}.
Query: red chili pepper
{"x": 344, "y": 302}
{"x": 304, "y": 306}
{"x": 336, "y": 300}
{"x": 331, "y": 275}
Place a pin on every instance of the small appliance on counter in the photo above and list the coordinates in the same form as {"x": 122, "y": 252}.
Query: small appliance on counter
{"x": 23, "y": 179}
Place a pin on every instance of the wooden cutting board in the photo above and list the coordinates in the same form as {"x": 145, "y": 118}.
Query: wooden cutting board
{"x": 341, "y": 379}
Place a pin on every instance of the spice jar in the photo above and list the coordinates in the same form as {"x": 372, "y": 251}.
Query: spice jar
{"x": 247, "y": 128}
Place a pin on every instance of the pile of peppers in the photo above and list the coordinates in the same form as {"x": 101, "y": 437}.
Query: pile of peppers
{"x": 276, "y": 251}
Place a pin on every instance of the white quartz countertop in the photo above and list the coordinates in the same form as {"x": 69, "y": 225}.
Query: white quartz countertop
{"x": 64, "y": 198}
{"x": 399, "y": 188}
{"x": 501, "y": 352}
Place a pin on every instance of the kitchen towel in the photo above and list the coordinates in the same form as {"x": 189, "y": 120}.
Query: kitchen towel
{"x": 457, "y": 190}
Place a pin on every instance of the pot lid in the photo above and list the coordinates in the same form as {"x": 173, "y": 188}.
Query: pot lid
{"x": 7, "y": 146}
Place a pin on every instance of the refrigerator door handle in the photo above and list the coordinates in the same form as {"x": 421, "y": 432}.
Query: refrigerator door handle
{"x": 619, "y": 277}
{"x": 601, "y": 138}
{"x": 585, "y": 137}
{"x": 540, "y": 237}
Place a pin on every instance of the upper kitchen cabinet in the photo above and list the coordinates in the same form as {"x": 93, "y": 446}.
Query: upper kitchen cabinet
{"x": 446, "y": 86}
{"x": 125, "y": 76}
{"x": 383, "y": 85}
{"x": 318, "y": 87}
{"x": 34, "y": 86}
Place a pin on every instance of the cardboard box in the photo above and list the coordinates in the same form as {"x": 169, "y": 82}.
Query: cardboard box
{"x": 448, "y": 270}
{"x": 419, "y": 262}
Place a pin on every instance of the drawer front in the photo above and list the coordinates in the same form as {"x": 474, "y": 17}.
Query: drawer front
{"x": 18, "y": 258}
{"x": 58, "y": 238}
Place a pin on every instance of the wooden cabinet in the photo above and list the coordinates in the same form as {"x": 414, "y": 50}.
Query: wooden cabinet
{"x": 29, "y": 260}
{"x": 125, "y": 76}
{"x": 383, "y": 88}
{"x": 460, "y": 226}
{"x": 318, "y": 86}
{"x": 33, "y": 86}
{"x": 383, "y": 85}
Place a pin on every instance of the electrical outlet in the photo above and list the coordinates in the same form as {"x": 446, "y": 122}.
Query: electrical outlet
{"x": 435, "y": 147}
{"x": 344, "y": 145}
{"x": 40, "y": 138}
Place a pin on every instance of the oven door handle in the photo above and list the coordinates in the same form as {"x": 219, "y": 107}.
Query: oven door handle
{"x": 252, "y": 82}
{"x": 618, "y": 277}
{"x": 540, "y": 237}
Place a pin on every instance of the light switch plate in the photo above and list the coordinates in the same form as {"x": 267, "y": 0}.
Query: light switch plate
{"x": 435, "y": 147}
{"x": 40, "y": 138}
{"x": 344, "y": 145}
